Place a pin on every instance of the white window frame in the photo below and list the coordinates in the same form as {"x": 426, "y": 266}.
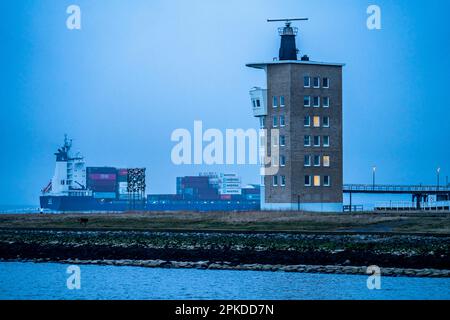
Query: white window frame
{"x": 309, "y": 102}
{"x": 314, "y": 161}
{"x": 323, "y": 122}
{"x": 282, "y": 105}
{"x": 314, "y": 122}
{"x": 329, "y": 181}
{"x": 283, "y": 183}
{"x": 275, "y": 102}
{"x": 309, "y": 81}
{"x": 328, "y": 144}
{"x": 309, "y": 141}
{"x": 309, "y": 179}
{"x": 275, "y": 122}
{"x": 318, "y": 102}
{"x": 314, "y": 144}
{"x": 329, "y": 161}
{"x": 309, "y": 121}
{"x": 282, "y": 123}
{"x": 323, "y": 102}
{"x": 283, "y": 143}
{"x": 309, "y": 161}
{"x": 275, "y": 181}
{"x": 328, "y": 82}
{"x": 282, "y": 163}
{"x": 316, "y": 87}
{"x": 314, "y": 181}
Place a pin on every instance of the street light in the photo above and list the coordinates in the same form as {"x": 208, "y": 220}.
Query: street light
{"x": 438, "y": 171}
{"x": 374, "y": 169}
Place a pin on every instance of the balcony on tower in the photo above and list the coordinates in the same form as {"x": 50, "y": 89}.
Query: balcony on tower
{"x": 259, "y": 101}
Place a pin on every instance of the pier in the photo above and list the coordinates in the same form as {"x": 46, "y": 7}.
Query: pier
{"x": 419, "y": 193}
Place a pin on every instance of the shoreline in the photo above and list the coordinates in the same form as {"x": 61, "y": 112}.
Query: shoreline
{"x": 395, "y": 254}
{"x": 207, "y": 265}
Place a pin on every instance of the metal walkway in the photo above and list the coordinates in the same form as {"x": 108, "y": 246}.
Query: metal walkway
{"x": 398, "y": 189}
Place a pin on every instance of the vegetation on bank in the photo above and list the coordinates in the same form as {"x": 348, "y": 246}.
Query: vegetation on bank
{"x": 408, "y": 222}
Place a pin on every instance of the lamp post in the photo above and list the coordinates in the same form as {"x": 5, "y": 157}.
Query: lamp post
{"x": 438, "y": 171}
{"x": 374, "y": 170}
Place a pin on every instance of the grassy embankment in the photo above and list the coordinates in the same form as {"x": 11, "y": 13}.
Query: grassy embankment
{"x": 411, "y": 222}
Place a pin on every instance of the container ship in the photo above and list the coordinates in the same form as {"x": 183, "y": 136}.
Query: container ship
{"x": 75, "y": 187}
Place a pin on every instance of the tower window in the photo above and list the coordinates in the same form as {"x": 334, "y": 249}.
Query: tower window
{"x": 316, "y": 121}
{"x": 282, "y": 121}
{"x": 282, "y": 161}
{"x": 316, "y": 141}
{"x": 307, "y": 161}
{"x": 307, "y": 141}
{"x": 307, "y": 121}
{"x": 262, "y": 122}
{"x": 275, "y": 102}
{"x": 325, "y": 82}
{"x": 308, "y": 181}
{"x": 316, "y": 181}
{"x": 316, "y": 161}
{"x": 275, "y": 181}
{"x": 326, "y": 122}
{"x": 307, "y": 101}
{"x": 326, "y": 181}
{"x": 326, "y": 161}
{"x": 326, "y": 102}
{"x": 316, "y": 82}
{"x": 282, "y": 102}
{"x": 326, "y": 141}
{"x": 307, "y": 81}
{"x": 283, "y": 181}
{"x": 282, "y": 141}
{"x": 275, "y": 121}
{"x": 316, "y": 103}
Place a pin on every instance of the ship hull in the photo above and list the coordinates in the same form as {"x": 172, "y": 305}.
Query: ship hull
{"x": 71, "y": 203}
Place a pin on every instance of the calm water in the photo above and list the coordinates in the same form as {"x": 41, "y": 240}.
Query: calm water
{"x": 48, "y": 281}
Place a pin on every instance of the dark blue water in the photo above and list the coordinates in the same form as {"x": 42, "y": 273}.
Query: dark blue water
{"x": 48, "y": 281}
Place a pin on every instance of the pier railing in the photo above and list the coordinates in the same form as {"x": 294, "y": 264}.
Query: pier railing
{"x": 370, "y": 188}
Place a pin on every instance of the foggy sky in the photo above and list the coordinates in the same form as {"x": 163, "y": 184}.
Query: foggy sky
{"x": 137, "y": 70}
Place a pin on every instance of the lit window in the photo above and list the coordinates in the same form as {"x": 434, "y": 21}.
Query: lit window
{"x": 326, "y": 102}
{"x": 307, "y": 121}
{"x": 326, "y": 181}
{"x": 316, "y": 121}
{"x": 307, "y": 82}
{"x": 282, "y": 121}
{"x": 307, "y": 141}
{"x": 326, "y": 161}
{"x": 316, "y": 82}
{"x": 326, "y": 122}
{"x": 275, "y": 181}
{"x": 275, "y": 121}
{"x": 326, "y": 141}
{"x": 316, "y": 161}
{"x": 307, "y": 161}
{"x": 316, "y": 141}
{"x": 307, "y": 101}
{"x": 308, "y": 181}
{"x": 282, "y": 101}
{"x": 283, "y": 181}
{"x": 316, "y": 102}
{"x": 275, "y": 102}
{"x": 316, "y": 181}
{"x": 282, "y": 141}
{"x": 325, "y": 83}
{"x": 282, "y": 161}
